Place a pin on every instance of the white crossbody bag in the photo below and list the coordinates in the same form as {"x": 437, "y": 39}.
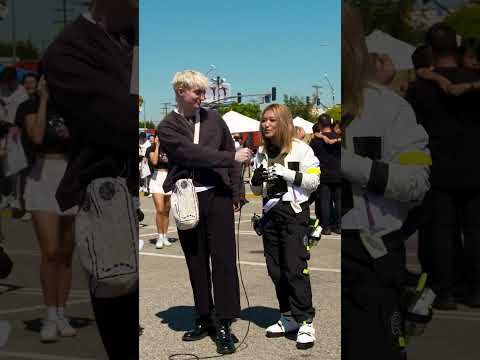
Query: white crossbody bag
{"x": 184, "y": 200}
{"x": 106, "y": 238}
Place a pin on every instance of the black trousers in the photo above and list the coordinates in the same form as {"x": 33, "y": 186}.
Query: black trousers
{"x": 284, "y": 241}
{"x": 117, "y": 322}
{"x": 446, "y": 222}
{"x": 213, "y": 238}
{"x": 372, "y": 322}
{"x": 330, "y": 198}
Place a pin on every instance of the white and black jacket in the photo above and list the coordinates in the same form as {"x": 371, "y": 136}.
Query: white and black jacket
{"x": 386, "y": 161}
{"x": 306, "y": 180}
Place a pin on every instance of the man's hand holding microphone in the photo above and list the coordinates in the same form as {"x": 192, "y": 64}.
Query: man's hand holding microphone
{"x": 243, "y": 155}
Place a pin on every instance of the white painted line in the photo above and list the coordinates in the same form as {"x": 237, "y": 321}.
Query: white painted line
{"x": 245, "y": 232}
{"x": 38, "y": 307}
{"x": 86, "y": 292}
{"x": 35, "y": 356}
{"x": 453, "y": 317}
{"x": 241, "y": 262}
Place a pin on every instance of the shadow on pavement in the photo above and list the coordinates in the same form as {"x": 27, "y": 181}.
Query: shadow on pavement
{"x": 154, "y": 240}
{"x": 178, "y": 318}
{"x": 260, "y": 315}
{"x": 76, "y": 322}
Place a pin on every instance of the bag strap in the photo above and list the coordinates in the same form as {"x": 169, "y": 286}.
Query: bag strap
{"x": 196, "y": 134}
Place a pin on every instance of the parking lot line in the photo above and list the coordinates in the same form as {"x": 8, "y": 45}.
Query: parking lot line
{"x": 241, "y": 262}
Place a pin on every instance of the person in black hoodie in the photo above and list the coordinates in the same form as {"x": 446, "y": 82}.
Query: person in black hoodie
{"x": 327, "y": 148}
{"x": 454, "y": 177}
{"x": 215, "y": 167}
{"x": 89, "y": 71}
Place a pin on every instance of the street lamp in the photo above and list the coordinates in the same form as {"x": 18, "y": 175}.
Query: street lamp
{"x": 14, "y": 33}
{"x": 212, "y": 67}
{"x": 331, "y": 89}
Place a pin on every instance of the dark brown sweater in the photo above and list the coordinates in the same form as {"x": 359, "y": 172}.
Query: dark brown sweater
{"x": 212, "y": 159}
{"x": 88, "y": 76}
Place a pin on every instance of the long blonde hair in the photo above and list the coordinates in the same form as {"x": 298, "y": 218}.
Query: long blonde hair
{"x": 355, "y": 61}
{"x": 285, "y": 129}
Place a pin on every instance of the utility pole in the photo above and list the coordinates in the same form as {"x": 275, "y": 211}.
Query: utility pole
{"x": 14, "y": 33}
{"x": 331, "y": 89}
{"x": 64, "y": 9}
{"x": 316, "y": 95}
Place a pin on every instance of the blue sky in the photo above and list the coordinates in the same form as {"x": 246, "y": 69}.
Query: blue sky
{"x": 253, "y": 44}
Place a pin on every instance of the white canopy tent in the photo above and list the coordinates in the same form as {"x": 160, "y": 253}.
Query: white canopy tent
{"x": 400, "y": 52}
{"x": 238, "y": 123}
{"x": 306, "y": 125}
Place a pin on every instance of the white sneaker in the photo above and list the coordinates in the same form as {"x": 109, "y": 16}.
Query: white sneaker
{"x": 284, "y": 326}
{"x": 26, "y": 217}
{"x": 159, "y": 243}
{"x": 306, "y": 336}
{"x": 166, "y": 242}
{"x": 49, "y": 331}
{"x": 64, "y": 328}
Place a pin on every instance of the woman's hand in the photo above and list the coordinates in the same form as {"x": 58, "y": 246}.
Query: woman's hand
{"x": 42, "y": 88}
{"x": 63, "y": 132}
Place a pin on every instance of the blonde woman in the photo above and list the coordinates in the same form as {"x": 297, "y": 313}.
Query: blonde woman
{"x": 286, "y": 173}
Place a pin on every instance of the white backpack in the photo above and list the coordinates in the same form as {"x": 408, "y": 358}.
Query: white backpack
{"x": 184, "y": 200}
{"x": 106, "y": 237}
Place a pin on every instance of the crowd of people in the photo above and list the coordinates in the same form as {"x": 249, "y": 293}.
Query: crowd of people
{"x": 407, "y": 176}
{"x": 287, "y": 172}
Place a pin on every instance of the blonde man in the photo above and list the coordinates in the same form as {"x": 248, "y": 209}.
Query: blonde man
{"x": 214, "y": 166}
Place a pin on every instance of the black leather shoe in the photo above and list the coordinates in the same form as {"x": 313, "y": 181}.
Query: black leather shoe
{"x": 201, "y": 330}
{"x": 473, "y": 300}
{"x": 326, "y": 231}
{"x": 224, "y": 339}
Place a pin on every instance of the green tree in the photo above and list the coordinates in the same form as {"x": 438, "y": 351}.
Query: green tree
{"x": 150, "y": 125}
{"x": 147, "y": 125}
{"x": 392, "y": 17}
{"x": 335, "y": 112}
{"x": 299, "y": 107}
{"x": 466, "y": 21}
{"x": 251, "y": 110}
{"x": 25, "y": 50}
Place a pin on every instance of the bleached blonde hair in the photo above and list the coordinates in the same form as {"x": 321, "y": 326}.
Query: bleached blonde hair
{"x": 190, "y": 79}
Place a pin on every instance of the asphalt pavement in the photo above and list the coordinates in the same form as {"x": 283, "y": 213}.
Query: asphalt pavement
{"x": 166, "y": 301}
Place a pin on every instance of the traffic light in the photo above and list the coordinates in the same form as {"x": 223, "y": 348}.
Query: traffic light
{"x": 274, "y": 93}
{"x": 267, "y": 99}
{"x": 318, "y": 102}
{"x": 308, "y": 100}
{"x": 239, "y": 97}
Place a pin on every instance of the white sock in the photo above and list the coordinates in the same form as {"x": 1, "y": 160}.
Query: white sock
{"x": 52, "y": 313}
{"x": 161, "y": 236}
{"x": 61, "y": 312}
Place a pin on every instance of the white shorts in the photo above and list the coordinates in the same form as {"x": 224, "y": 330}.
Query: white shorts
{"x": 156, "y": 182}
{"x": 42, "y": 184}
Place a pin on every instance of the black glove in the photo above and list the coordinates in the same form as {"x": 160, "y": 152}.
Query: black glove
{"x": 259, "y": 176}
